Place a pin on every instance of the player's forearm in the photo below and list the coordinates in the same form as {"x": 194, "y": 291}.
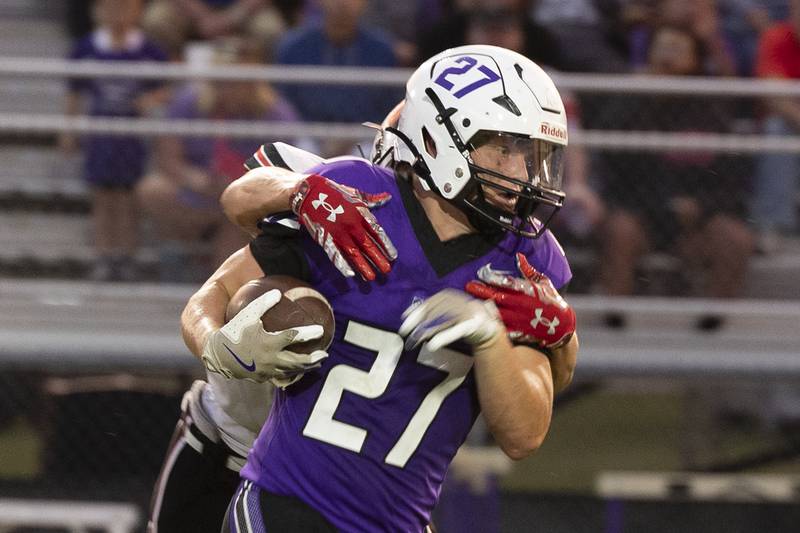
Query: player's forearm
{"x": 262, "y": 191}
{"x": 515, "y": 389}
{"x": 205, "y": 311}
{"x": 562, "y": 364}
{"x": 203, "y": 315}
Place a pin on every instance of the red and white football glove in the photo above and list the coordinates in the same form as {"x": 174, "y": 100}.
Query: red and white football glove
{"x": 531, "y": 308}
{"x": 338, "y": 218}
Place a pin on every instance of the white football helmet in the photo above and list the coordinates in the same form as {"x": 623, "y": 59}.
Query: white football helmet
{"x": 470, "y": 96}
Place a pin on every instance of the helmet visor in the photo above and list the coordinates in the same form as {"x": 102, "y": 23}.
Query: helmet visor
{"x": 516, "y": 170}
{"x": 521, "y": 161}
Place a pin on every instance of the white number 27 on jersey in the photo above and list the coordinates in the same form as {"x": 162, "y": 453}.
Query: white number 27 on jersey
{"x": 389, "y": 346}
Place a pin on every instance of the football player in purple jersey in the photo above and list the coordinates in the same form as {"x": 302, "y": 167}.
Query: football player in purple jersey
{"x": 360, "y": 439}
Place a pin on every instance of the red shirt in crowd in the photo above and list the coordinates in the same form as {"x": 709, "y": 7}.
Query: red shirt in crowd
{"x": 779, "y": 53}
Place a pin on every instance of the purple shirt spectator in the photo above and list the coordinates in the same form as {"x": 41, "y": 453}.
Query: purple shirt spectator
{"x": 115, "y": 161}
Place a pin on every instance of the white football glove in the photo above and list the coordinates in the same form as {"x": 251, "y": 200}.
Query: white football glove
{"x": 448, "y": 316}
{"x": 242, "y": 349}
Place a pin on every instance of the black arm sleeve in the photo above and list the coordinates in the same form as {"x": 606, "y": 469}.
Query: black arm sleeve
{"x": 277, "y": 251}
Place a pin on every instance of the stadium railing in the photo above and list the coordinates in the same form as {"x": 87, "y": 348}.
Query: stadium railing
{"x": 87, "y": 327}
{"x": 75, "y": 516}
{"x": 578, "y": 83}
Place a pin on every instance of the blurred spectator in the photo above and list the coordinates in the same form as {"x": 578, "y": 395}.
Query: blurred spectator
{"x": 172, "y": 23}
{"x": 501, "y": 23}
{"x": 584, "y": 211}
{"x": 582, "y": 30}
{"x": 114, "y": 164}
{"x": 774, "y": 206}
{"x": 404, "y": 21}
{"x": 741, "y": 23}
{"x": 637, "y": 18}
{"x": 687, "y": 203}
{"x": 181, "y": 196}
{"x": 339, "y": 39}
{"x": 700, "y": 17}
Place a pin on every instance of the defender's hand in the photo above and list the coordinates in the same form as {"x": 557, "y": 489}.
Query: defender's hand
{"x": 242, "y": 349}
{"x": 339, "y": 220}
{"x": 532, "y": 309}
{"x": 448, "y": 316}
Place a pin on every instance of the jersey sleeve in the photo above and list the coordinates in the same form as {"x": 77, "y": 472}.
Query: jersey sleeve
{"x": 549, "y": 258}
{"x": 277, "y": 251}
{"x": 355, "y": 172}
{"x": 284, "y": 156}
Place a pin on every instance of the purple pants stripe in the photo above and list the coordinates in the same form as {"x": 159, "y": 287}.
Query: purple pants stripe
{"x": 253, "y": 508}
{"x": 244, "y": 515}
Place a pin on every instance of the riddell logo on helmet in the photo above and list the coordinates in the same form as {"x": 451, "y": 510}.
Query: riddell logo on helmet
{"x": 553, "y": 131}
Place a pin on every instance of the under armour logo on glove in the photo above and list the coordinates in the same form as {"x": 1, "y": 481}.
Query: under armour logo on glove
{"x": 531, "y": 308}
{"x": 348, "y": 232}
{"x": 320, "y": 202}
{"x": 539, "y": 319}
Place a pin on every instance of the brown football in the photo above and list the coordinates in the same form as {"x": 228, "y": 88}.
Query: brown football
{"x": 300, "y": 305}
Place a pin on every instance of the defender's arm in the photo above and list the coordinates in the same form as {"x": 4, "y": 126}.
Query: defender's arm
{"x": 261, "y": 192}
{"x": 204, "y": 313}
{"x": 241, "y": 348}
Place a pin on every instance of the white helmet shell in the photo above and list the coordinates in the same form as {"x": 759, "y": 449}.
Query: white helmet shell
{"x": 482, "y": 88}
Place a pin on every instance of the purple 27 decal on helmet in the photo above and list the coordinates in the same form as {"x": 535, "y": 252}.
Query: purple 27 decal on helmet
{"x": 469, "y": 63}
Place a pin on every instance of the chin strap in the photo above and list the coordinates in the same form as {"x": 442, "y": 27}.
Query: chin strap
{"x": 479, "y": 212}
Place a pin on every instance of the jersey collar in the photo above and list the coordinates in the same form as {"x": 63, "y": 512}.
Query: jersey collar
{"x": 443, "y": 256}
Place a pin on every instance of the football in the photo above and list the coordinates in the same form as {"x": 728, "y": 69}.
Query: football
{"x": 300, "y": 305}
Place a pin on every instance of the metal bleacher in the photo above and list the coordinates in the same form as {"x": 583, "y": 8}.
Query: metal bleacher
{"x": 32, "y": 28}
{"x": 43, "y": 216}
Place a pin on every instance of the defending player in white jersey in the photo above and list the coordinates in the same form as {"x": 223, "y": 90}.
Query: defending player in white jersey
{"x": 220, "y": 417}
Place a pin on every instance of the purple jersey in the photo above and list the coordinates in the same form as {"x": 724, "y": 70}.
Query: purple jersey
{"x": 115, "y": 96}
{"x": 114, "y": 160}
{"x": 366, "y": 439}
